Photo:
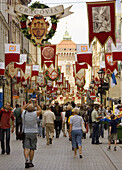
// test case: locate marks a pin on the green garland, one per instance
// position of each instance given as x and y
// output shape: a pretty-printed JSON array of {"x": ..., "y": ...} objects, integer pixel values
[
  {"x": 48, "y": 78},
  {"x": 25, "y": 30}
]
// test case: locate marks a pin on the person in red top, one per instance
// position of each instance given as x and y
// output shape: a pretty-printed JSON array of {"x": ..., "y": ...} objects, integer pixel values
[{"x": 5, "y": 115}]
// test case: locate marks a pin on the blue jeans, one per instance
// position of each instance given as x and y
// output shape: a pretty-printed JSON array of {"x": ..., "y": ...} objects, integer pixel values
[
  {"x": 95, "y": 134},
  {"x": 101, "y": 130},
  {"x": 7, "y": 132},
  {"x": 76, "y": 138},
  {"x": 41, "y": 130}
]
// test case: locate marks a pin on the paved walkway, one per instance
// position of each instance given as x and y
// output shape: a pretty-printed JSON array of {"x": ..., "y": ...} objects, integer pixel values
[{"x": 59, "y": 156}]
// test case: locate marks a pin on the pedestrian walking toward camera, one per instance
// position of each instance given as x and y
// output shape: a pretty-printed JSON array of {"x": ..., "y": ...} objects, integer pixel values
[
  {"x": 95, "y": 125},
  {"x": 5, "y": 116},
  {"x": 29, "y": 120},
  {"x": 112, "y": 132},
  {"x": 48, "y": 121},
  {"x": 76, "y": 132}
]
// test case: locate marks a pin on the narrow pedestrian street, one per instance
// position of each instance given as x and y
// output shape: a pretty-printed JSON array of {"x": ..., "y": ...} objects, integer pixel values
[{"x": 59, "y": 156}]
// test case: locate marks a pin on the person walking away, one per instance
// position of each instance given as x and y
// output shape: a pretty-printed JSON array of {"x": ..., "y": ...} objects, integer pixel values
[
  {"x": 43, "y": 128},
  {"x": 64, "y": 128},
  {"x": 95, "y": 125},
  {"x": 29, "y": 121},
  {"x": 89, "y": 112},
  {"x": 58, "y": 122},
  {"x": 48, "y": 121},
  {"x": 112, "y": 132},
  {"x": 102, "y": 112},
  {"x": 76, "y": 132},
  {"x": 68, "y": 114},
  {"x": 6, "y": 114},
  {"x": 17, "y": 115}
]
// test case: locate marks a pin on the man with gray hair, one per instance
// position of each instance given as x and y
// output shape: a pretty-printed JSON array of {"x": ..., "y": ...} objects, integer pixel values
[
  {"x": 48, "y": 121},
  {"x": 29, "y": 120}
]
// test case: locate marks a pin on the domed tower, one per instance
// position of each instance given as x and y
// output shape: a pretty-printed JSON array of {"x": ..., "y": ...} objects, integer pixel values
[{"x": 66, "y": 51}]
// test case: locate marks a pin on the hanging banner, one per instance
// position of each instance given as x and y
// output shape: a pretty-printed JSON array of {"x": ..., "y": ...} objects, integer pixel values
[
  {"x": 80, "y": 82},
  {"x": 117, "y": 52},
  {"x": 80, "y": 73},
  {"x": 12, "y": 53},
  {"x": 2, "y": 68},
  {"x": 48, "y": 53},
  {"x": 80, "y": 66},
  {"x": 60, "y": 80},
  {"x": 101, "y": 21},
  {"x": 23, "y": 58},
  {"x": 35, "y": 70},
  {"x": 12, "y": 72},
  {"x": 18, "y": 77},
  {"x": 110, "y": 64},
  {"x": 28, "y": 72},
  {"x": 41, "y": 80},
  {"x": 84, "y": 54},
  {"x": 21, "y": 66}
]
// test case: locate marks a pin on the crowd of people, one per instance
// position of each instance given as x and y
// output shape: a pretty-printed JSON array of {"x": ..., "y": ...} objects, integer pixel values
[{"x": 73, "y": 120}]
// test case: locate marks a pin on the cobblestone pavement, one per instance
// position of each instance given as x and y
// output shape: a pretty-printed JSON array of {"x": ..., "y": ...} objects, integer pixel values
[{"x": 59, "y": 156}]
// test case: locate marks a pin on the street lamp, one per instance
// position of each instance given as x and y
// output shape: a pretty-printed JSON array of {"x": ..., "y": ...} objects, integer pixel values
[
  {"x": 2, "y": 82},
  {"x": 101, "y": 77}
]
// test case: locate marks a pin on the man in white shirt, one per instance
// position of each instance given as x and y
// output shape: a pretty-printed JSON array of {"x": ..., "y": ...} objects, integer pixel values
[
  {"x": 48, "y": 121},
  {"x": 29, "y": 120}
]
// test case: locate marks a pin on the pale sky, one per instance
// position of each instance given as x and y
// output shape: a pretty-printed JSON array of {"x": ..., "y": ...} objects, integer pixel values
[{"x": 77, "y": 23}]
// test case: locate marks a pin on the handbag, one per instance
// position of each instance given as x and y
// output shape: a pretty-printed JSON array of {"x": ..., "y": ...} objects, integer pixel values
[
  {"x": 21, "y": 135},
  {"x": 83, "y": 127}
]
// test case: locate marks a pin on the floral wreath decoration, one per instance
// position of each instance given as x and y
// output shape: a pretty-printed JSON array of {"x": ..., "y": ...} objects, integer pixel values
[
  {"x": 48, "y": 78},
  {"x": 25, "y": 30}
]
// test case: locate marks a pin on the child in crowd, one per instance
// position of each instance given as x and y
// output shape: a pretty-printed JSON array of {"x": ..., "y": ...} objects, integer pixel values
[{"x": 112, "y": 132}]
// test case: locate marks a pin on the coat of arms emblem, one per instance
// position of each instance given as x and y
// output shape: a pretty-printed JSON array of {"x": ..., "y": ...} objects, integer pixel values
[{"x": 38, "y": 28}]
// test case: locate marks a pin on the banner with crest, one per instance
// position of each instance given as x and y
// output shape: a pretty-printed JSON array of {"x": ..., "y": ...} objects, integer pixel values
[
  {"x": 48, "y": 54},
  {"x": 101, "y": 21},
  {"x": 110, "y": 64}
]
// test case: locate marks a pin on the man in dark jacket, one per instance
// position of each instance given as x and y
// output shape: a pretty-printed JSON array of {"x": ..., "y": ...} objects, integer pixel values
[
  {"x": 17, "y": 114},
  {"x": 58, "y": 122}
]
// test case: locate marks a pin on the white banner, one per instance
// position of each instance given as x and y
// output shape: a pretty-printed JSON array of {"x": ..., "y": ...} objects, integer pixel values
[
  {"x": 84, "y": 49},
  {"x": 118, "y": 47},
  {"x": 35, "y": 68},
  {"x": 59, "y": 11},
  {"x": 2, "y": 65},
  {"x": 23, "y": 58},
  {"x": 12, "y": 48}
]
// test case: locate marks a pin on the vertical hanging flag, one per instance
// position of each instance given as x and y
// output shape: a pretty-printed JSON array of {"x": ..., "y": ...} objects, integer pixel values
[
  {"x": 48, "y": 53},
  {"x": 109, "y": 64},
  {"x": 12, "y": 53},
  {"x": 117, "y": 52},
  {"x": 2, "y": 68},
  {"x": 84, "y": 54},
  {"x": 101, "y": 21},
  {"x": 113, "y": 79},
  {"x": 35, "y": 70}
]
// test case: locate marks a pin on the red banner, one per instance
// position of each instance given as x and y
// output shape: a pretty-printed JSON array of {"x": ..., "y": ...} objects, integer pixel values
[
  {"x": 101, "y": 20},
  {"x": 110, "y": 64},
  {"x": 48, "y": 53},
  {"x": 21, "y": 66},
  {"x": 80, "y": 66}
]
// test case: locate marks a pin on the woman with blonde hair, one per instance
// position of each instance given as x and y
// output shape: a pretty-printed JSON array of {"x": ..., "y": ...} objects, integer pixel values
[
  {"x": 68, "y": 114},
  {"x": 75, "y": 131}
]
